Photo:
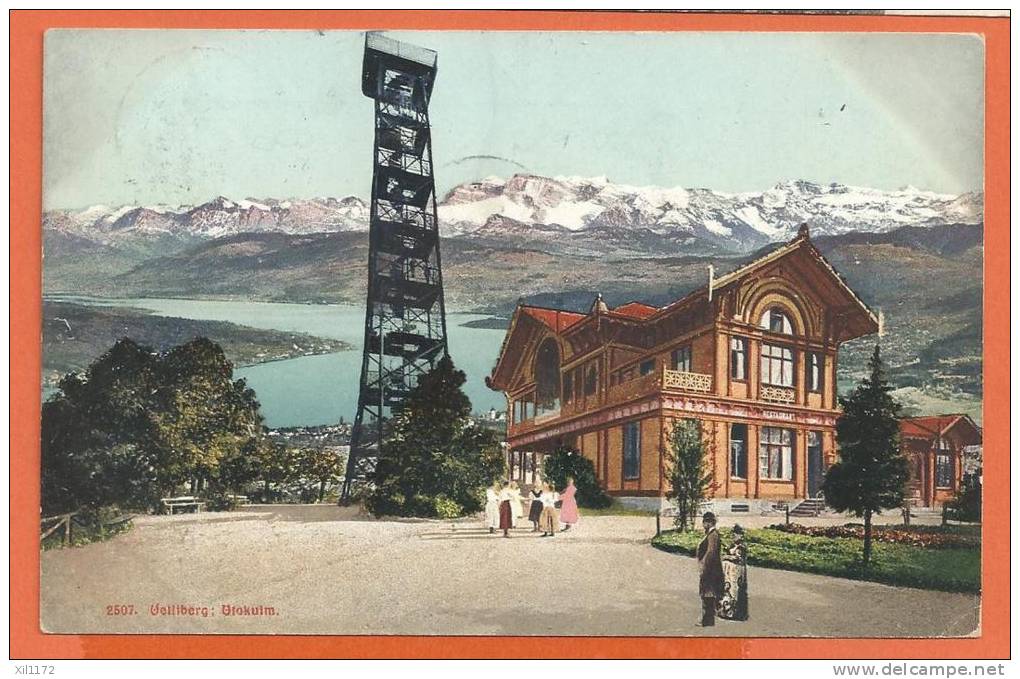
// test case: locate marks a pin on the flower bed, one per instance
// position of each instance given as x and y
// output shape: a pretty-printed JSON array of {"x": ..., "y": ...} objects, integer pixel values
[
  {"x": 948, "y": 569},
  {"x": 929, "y": 537}
]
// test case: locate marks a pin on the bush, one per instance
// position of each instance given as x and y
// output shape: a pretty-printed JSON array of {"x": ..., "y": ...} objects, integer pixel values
[
  {"x": 445, "y": 508},
  {"x": 966, "y": 506},
  {"x": 91, "y": 524},
  {"x": 568, "y": 463},
  {"x": 220, "y": 502}
]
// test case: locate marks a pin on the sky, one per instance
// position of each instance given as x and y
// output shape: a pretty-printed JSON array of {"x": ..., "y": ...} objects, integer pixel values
[{"x": 179, "y": 117}]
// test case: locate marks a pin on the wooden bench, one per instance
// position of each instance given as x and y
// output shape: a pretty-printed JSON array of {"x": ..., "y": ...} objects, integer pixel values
[
  {"x": 184, "y": 502},
  {"x": 239, "y": 500}
]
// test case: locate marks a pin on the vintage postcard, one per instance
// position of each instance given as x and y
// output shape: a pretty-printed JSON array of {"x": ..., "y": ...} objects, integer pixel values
[{"x": 475, "y": 328}]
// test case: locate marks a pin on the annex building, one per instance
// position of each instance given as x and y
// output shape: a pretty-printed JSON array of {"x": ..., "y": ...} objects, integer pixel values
[
  {"x": 941, "y": 452},
  {"x": 752, "y": 356}
]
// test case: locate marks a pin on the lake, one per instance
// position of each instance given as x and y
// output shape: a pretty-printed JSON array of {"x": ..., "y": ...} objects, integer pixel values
[{"x": 312, "y": 390}]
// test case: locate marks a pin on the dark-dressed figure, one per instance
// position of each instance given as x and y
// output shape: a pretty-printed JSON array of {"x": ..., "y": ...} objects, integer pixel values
[
  {"x": 733, "y": 604},
  {"x": 535, "y": 511},
  {"x": 506, "y": 511},
  {"x": 710, "y": 566}
]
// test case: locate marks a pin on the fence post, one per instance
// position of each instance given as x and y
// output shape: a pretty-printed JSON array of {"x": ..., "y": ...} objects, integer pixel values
[
  {"x": 67, "y": 530},
  {"x": 787, "y": 513},
  {"x": 945, "y": 518},
  {"x": 658, "y": 525}
]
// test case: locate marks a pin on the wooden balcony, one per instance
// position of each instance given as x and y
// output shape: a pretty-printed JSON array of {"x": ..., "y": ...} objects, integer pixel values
[
  {"x": 676, "y": 380},
  {"x": 774, "y": 394}
]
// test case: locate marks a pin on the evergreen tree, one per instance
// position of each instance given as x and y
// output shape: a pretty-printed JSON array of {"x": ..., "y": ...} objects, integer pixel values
[
  {"x": 689, "y": 481},
  {"x": 436, "y": 460},
  {"x": 871, "y": 471}
]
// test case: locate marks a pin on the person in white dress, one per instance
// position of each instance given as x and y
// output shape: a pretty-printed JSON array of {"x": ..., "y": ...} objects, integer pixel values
[
  {"x": 492, "y": 506},
  {"x": 515, "y": 502}
]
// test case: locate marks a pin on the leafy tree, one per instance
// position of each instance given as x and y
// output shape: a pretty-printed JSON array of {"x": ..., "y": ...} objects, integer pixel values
[
  {"x": 689, "y": 481},
  {"x": 566, "y": 463},
  {"x": 435, "y": 454},
  {"x": 323, "y": 466},
  {"x": 135, "y": 425},
  {"x": 871, "y": 471}
]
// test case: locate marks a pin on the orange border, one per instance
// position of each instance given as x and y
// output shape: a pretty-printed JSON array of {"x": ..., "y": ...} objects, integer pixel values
[{"x": 26, "y": 641}]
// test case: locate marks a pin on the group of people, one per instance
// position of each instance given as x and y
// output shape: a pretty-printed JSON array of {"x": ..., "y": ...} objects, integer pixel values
[
  {"x": 549, "y": 509},
  {"x": 723, "y": 581}
]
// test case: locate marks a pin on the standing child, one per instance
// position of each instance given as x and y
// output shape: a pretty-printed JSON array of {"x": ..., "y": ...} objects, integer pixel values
[
  {"x": 568, "y": 509},
  {"x": 535, "y": 511},
  {"x": 515, "y": 502},
  {"x": 492, "y": 506},
  {"x": 506, "y": 511},
  {"x": 550, "y": 519}
]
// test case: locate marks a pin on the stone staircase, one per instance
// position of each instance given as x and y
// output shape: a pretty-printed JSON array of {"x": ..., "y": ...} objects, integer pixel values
[{"x": 812, "y": 506}]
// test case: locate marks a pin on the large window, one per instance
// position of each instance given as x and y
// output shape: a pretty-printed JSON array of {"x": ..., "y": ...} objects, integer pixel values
[
  {"x": 776, "y": 320},
  {"x": 547, "y": 378},
  {"x": 648, "y": 367},
  {"x": 591, "y": 379},
  {"x": 944, "y": 470},
  {"x": 682, "y": 359},
  {"x": 775, "y": 454},
  {"x": 814, "y": 363},
  {"x": 738, "y": 358},
  {"x": 632, "y": 450},
  {"x": 738, "y": 451},
  {"x": 524, "y": 409},
  {"x": 776, "y": 365}
]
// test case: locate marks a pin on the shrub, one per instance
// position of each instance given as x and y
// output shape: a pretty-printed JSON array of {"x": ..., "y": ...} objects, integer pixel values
[
  {"x": 568, "y": 463},
  {"x": 220, "y": 502},
  {"x": 966, "y": 506},
  {"x": 445, "y": 508}
]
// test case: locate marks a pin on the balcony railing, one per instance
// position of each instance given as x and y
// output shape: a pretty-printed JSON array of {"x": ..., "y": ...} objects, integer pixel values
[
  {"x": 777, "y": 394},
  {"x": 686, "y": 381},
  {"x": 642, "y": 386}
]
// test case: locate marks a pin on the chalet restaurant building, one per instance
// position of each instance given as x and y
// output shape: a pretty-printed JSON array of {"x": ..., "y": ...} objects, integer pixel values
[{"x": 752, "y": 357}]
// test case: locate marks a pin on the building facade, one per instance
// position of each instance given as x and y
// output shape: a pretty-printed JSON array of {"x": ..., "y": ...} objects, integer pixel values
[
  {"x": 941, "y": 451},
  {"x": 751, "y": 357}
]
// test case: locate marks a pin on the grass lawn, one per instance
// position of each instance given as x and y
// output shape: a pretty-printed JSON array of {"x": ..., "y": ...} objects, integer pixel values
[
  {"x": 615, "y": 509},
  {"x": 951, "y": 570}
]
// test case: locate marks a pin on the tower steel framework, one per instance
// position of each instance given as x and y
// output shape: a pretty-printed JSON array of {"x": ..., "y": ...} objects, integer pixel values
[{"x": 405, "y": 317}]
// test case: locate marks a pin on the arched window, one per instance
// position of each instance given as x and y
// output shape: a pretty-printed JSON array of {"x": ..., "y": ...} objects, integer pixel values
[
  {"x": 776, "y": 320},
  {"x": 547, "y": 376}
]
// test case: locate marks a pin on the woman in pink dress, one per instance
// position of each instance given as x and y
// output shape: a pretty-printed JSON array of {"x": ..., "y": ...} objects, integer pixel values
[{"x": 568, "y": 511}]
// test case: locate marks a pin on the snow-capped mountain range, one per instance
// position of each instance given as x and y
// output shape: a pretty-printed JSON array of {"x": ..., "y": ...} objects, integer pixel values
[{"x": 529, "y": 207}]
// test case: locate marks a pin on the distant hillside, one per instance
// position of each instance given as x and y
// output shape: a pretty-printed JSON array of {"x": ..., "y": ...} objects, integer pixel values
[
  {"x": 74, "y": 335},
  {"x": 916, "y": 255}
]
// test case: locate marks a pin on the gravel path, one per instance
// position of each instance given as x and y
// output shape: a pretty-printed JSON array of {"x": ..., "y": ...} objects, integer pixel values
[{"x": 326, "y": 570}]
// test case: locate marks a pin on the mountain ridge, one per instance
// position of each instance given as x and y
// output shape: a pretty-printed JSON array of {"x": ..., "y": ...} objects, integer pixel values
[{"x": 586, "y": 215}]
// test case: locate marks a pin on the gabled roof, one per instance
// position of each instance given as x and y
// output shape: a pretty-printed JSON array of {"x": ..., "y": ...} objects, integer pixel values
[
  {"x": 556, "y": 320},
  {"x": 571, "y": 323},
  {"x": 802, "y": 240},
  {"x": 638, "y": 310},
  {"x": 934, "y": 426}
]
